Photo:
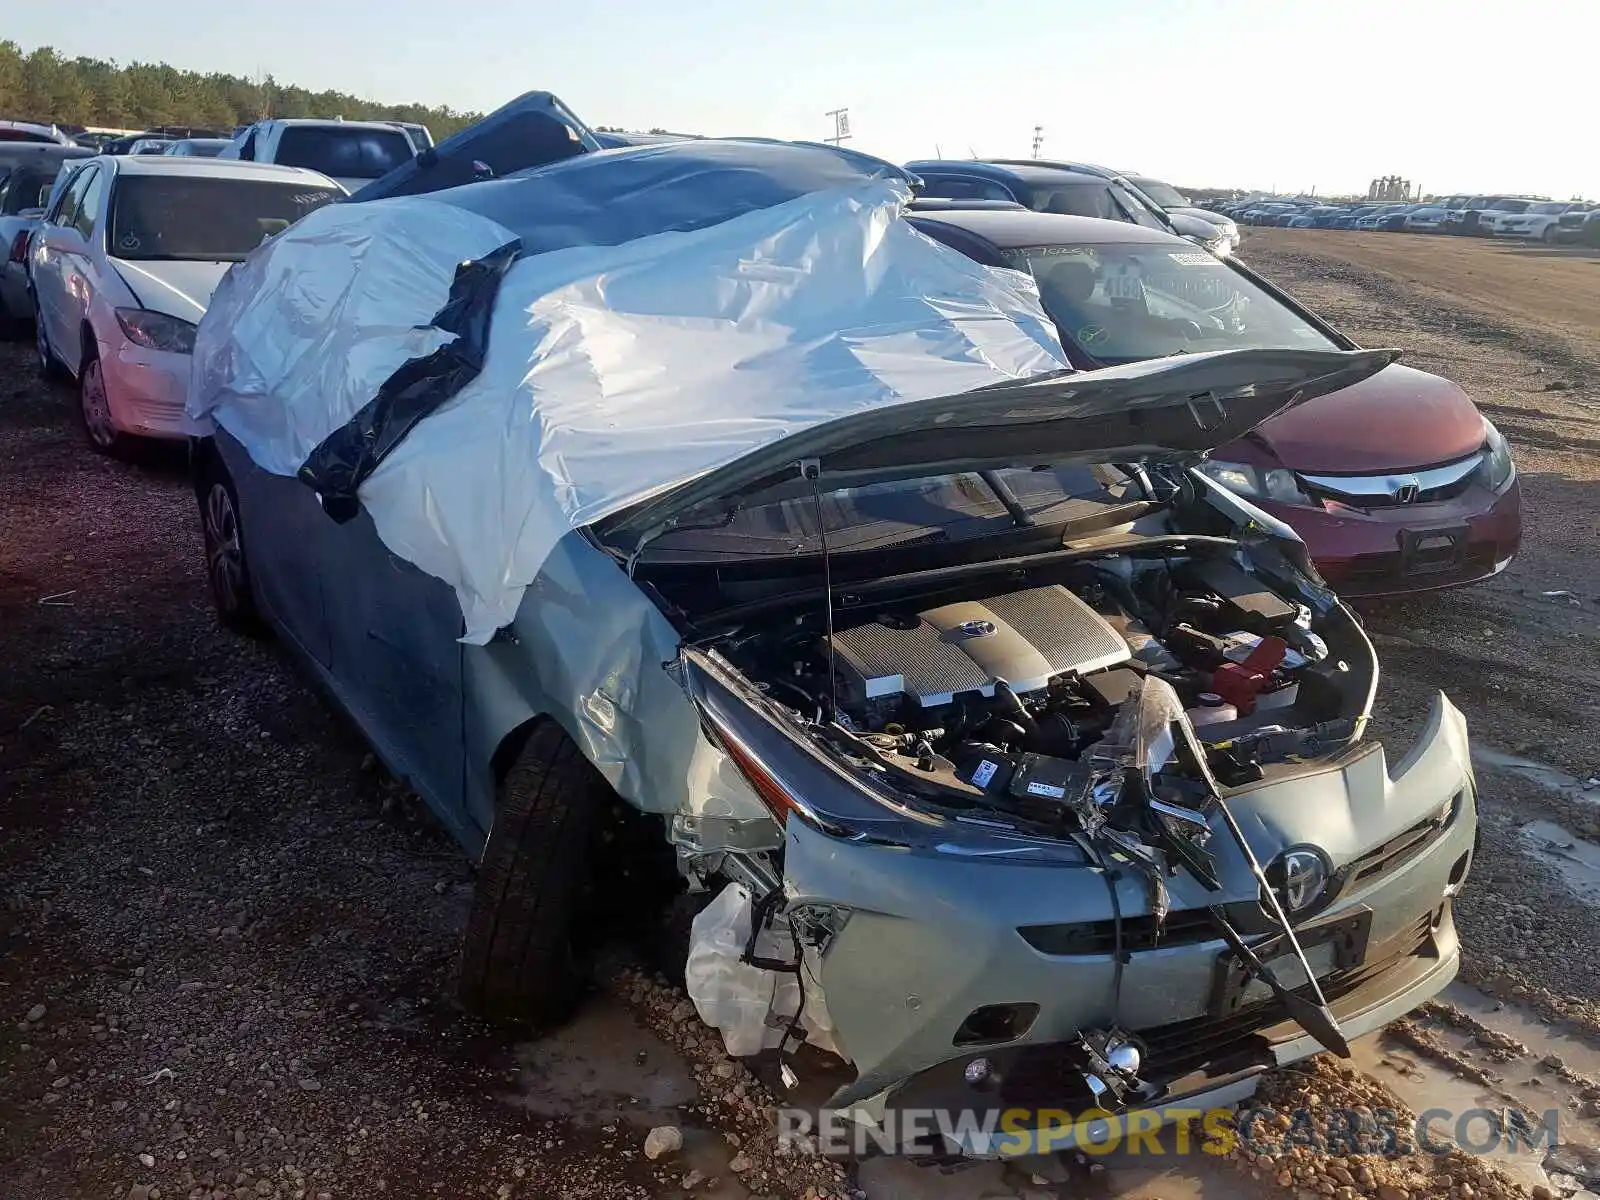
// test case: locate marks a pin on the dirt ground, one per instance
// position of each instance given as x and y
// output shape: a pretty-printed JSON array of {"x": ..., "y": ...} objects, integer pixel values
[{"x": 228, "y": 941}]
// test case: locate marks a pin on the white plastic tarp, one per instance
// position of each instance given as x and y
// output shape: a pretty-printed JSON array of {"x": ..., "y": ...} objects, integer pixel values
[{"x": 613, "y": 372}]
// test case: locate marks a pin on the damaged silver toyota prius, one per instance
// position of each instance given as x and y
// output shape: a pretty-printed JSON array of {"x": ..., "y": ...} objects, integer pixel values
[{"x": 686, "y": 527}]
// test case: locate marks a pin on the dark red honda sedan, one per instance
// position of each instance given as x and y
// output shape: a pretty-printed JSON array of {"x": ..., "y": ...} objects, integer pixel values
[{"x": 1398, "y": 484}]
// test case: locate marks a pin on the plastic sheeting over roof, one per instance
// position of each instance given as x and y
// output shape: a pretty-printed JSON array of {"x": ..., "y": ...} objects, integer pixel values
[{"x": 675, "y": 308}]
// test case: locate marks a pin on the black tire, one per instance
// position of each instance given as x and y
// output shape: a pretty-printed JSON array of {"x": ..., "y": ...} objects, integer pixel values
[
  {"x": 523, "y": 960},
  {"x": 222, "y": 533},
  {"x": 50, "y": 367},
  {"x": 94, "y": 412}
]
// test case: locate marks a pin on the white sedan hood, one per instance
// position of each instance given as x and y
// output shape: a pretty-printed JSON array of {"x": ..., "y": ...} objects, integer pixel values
[{"x": 179, "y": 288}]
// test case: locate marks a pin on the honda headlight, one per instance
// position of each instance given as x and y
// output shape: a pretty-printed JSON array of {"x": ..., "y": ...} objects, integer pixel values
[
  {"x": 156, "y": 331},
  {"x": 1498, "y": 469},
  {"x": 1256, "y": 483}
]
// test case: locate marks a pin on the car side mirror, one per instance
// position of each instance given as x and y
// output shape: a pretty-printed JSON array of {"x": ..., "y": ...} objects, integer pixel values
[
  {"x": 62, "y": 237},
  {"x": 31, "y": 214}
]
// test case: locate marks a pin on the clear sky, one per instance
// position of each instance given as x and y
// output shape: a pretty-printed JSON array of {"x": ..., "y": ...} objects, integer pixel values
[{"x": 1452, "y": 94}]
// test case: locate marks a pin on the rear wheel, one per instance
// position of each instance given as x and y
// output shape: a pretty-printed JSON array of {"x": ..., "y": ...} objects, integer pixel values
[
  {"x": 49, "y": 366},
  {"x": 227, "y": 570},
  {"x": 524, "y": 956}
]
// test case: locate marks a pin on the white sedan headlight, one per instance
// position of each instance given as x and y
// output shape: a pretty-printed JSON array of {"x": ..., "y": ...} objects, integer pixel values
[{"x": 156, "y": 331}]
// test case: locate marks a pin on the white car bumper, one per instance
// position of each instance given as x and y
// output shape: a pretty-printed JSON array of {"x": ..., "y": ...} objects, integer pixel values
[{"x": 146, "y": 390}]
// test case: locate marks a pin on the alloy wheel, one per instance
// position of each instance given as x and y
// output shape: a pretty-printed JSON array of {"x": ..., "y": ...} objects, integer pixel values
[
  {"x": 41, "y": 345},
  {"x": 224, "y": 552},
  {"x": 96, "y": 408}
]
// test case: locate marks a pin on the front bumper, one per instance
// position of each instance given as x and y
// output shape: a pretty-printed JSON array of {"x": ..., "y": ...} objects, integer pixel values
[
  {"x": 1409, "y": 547},
  {"x": 146, "y": 391},
  {"x": 932, "y": 937}
]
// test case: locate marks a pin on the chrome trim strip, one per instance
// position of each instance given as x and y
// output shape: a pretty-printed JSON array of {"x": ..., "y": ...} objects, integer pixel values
[{"x": 1409, "y": 484}]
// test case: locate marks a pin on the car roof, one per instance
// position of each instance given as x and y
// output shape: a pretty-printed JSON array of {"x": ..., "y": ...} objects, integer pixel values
[
  {"x": 329, "y": 123},
  {"x": 1001, "y": 172},
  {"x": 210, "y": 168},
  {"x": 14, "y": 154},
  {"x": 1011, "y": 228}
]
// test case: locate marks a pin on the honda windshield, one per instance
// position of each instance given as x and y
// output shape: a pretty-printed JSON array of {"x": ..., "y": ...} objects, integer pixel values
[
  {"x": 1121, "y": 303},
  {"x": 205, "y": 218}
]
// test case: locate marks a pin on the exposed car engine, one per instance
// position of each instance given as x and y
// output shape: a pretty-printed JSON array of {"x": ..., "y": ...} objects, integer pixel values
[{"x": 997, "y": 697}]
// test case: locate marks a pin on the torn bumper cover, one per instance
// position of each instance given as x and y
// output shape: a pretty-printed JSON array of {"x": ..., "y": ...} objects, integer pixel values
[{"x": 954, "y": 951}]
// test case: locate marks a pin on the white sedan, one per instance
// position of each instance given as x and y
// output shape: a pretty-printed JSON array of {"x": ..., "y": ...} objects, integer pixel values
[
  {"x": 123, "y": 266},
  {"x": 1538, "y": 222}
]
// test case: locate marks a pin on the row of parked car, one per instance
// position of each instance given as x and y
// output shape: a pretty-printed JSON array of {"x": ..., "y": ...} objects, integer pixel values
[
  {"x": 680, "y": 679},
  {"x": 1549, "y": 221}
]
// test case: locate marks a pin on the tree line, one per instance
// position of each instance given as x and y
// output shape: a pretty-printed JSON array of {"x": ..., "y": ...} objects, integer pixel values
[{"x": 43, "y": 86}]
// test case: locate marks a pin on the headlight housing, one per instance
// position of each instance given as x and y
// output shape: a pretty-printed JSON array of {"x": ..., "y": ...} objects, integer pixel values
[
  {"x": 1256, "y": 483},
  {"x": 1498, "y": 469},
  {"x": 156, "y": 331}
]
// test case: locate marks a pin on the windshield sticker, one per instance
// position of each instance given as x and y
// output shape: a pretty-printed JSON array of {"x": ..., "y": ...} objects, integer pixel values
[
  {"x": 1126, "y": 284},
  {"x": 1091, "y": 335},
  {"x": 1194, "y": 258},
  {"x": 130, "y": 241}
]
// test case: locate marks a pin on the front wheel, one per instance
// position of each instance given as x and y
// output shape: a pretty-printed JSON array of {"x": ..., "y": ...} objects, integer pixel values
[
  {"x": 523, "y": 958},
  {"x": 94, "y": 410}
]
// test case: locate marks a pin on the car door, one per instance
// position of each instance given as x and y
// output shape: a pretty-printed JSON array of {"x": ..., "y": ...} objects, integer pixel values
[
  {"x": 396, "y": 659},
  {"x": 281, "y": 521},
  {"x": 81, "y": 265},
  {"x": 51, "y": 249}
]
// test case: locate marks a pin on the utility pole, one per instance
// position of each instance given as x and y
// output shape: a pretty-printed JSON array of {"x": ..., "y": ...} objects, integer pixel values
[
  {"x": 841, "y": 126},
  {"x": 1038, "y": 139}
]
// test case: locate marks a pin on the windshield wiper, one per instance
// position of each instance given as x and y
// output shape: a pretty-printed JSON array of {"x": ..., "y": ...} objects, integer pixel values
[{"x": 1007, "y": 497}]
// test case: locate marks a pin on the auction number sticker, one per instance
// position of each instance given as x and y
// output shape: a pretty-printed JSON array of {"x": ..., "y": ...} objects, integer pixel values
[
  {"x": 1126, "y": 284},
  {"x": 1194, "y": 258}
]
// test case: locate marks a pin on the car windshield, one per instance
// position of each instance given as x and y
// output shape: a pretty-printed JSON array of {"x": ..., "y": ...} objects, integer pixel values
[
  {"x": 935, "y": 510},
  {"x": 1512, "y": 206},
  {"x": 344, "y": 153},
  {"x": 1122, "y": 303},
  {"x": 1547, "y": 208},
  {"x": 1091, "y": 198},
  {"x": 1163, "y": 194},
  {"x": 26, "y": 189},
  {"x": 209, "y": 219}
]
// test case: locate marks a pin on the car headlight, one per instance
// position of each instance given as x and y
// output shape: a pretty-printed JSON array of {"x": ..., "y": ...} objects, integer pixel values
[
  {"x": 156, "y": 331},
  {"x": 1498, "y": 469},
  {"x": 1257, "y": 483}
]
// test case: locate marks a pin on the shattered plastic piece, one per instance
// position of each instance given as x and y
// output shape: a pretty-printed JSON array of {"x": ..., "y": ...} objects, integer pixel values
[{"x": 750, "y": 1006}]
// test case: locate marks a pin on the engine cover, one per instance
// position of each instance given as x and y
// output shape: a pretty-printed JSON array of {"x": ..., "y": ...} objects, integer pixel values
[{"x": 1022, "y": 638}]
